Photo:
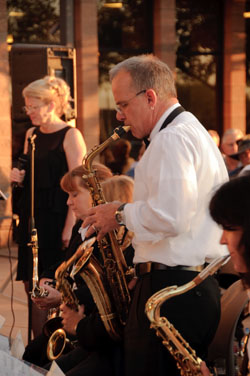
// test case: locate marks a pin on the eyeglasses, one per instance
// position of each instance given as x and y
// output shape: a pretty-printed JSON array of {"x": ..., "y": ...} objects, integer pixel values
[
  {"x": 31, "y": 108},
  {"x": 122, "y": 106}
]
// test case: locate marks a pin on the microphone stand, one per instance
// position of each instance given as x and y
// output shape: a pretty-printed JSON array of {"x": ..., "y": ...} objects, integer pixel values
[{"x": 34, "y": 241}]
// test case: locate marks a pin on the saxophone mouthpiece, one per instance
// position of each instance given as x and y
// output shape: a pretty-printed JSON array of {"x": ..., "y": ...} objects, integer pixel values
[
  {"x": 126, "y": 128},
  {"x": 120, "y": 131}
]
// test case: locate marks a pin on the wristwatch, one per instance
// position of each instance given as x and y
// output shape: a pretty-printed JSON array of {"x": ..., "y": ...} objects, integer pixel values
[{"x": 119, "y": 215}]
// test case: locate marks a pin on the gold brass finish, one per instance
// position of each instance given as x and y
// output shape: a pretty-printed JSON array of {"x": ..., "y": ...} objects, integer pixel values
[
  {"x": 58, "y": 339},
  {"x": 187, "y": 360},
  {"x": 107, "y": 281}
]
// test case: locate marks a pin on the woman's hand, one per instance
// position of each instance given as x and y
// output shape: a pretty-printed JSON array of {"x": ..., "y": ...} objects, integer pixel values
[
  {"x": 52, "y": 300},
  {"x": 205, "y": 370},
  {"x": 17, "y": 176},
  {"x": 71, "y": 318}
]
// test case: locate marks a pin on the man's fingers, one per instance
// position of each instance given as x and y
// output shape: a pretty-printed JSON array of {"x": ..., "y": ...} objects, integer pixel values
[{"x": 90, "y": 231}]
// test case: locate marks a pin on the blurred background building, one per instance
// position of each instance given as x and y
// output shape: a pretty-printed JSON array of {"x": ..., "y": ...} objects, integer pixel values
[{"x": 205, "y": 43}]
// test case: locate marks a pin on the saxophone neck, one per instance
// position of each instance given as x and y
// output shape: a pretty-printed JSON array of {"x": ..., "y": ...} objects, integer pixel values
[
  {"x": 118, "y": 133},
  {"x": 155, "y": 302}
]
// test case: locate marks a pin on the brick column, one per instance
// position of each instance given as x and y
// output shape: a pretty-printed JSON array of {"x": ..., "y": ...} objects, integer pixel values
[
  {"x": 234, "y": 87},
  {"x": 86, "y": 44},
  {"x": 165, "y": 31},
  {"x": 5, "y": 139}
]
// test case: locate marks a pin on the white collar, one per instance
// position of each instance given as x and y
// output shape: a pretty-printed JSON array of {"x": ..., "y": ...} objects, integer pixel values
[{"x": 159, "y": 123}]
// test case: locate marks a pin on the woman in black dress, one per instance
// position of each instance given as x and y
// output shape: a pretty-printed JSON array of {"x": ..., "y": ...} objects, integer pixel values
[{"x": 58, "y": 148}]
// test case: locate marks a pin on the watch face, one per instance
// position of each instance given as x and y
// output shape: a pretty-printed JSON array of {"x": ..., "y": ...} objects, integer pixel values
[{"x": 118, "y": 217}]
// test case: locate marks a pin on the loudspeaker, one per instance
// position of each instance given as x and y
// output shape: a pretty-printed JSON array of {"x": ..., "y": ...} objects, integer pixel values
[{"x": 29, "y": 63}]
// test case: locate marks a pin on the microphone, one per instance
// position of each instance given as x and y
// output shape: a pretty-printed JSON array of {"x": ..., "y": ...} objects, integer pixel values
[{"x": 21, "y": 165}]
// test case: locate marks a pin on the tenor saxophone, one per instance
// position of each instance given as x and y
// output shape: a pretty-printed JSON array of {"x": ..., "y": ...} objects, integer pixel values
[
  {"x": 186, "y": 359},
  {"x": 106, "y": 280},
  {"x": 58, "y": 339}
]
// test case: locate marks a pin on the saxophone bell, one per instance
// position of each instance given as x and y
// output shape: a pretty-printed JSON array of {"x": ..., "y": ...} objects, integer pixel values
[{"x": 58, "y": 341}]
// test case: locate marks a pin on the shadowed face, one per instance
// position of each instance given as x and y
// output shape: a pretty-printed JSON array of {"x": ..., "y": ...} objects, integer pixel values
[
  {"x": 133, "y": 106},
  {"x": 79, "y": 201},
  {"x": 230, "y": 145},
  {"x": 232, "y": 238},
  {"x": 37, "y": 111},
  {"x": 245, "y": 157}
]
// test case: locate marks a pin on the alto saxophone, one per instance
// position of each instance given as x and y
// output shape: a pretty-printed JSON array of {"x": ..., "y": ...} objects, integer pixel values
[
  {"x": 58, "y": 340},
  {"x": 186, "y": 359},
  {"x": 106, "y": 281}
]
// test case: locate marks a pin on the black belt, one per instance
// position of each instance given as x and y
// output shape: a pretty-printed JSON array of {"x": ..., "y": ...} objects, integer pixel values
[{"x": 147, "y": 267}]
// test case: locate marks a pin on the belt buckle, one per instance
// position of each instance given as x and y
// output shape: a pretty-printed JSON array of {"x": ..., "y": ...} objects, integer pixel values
[{"x": 143, "y": 268}]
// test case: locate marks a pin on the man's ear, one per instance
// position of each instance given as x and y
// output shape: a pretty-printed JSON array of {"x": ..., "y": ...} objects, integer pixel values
[{"x": 151, "y": 97}]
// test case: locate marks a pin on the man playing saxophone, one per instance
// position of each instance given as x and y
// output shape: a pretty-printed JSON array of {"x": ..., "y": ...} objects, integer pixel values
[{"x": 173, "y": 233}]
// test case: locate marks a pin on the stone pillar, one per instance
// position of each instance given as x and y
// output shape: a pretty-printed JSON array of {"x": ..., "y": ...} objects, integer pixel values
[
  {"x": 86, "y": 44},
  {"x": 5, "y": 121},
  {"x": 165, "y": 31},
  {"x": 234, "y": 86}
]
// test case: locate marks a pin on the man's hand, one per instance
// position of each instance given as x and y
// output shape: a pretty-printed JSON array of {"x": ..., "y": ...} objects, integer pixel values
[
  {"x": 71, "y": 318},
  {"x": 101, "y": 219}
]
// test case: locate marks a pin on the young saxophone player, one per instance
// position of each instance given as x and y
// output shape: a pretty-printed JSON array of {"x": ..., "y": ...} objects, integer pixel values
[
  {"x": 96, "y": 347},
  {"x": 230, "y": 208}
]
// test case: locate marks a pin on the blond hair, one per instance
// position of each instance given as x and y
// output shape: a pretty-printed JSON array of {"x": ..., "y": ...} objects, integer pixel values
[
  {"x": 51, "y": 89},
  {"x": 118, "y": 187}
]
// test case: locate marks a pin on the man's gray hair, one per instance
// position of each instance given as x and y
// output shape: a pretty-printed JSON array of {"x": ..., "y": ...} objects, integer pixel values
[
  {"x": 235, "y": 131},
  {"x": 148, "y": 72}
]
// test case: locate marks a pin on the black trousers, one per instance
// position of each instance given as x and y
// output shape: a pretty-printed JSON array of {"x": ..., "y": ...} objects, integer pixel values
[{"x": 194, "y": 314}]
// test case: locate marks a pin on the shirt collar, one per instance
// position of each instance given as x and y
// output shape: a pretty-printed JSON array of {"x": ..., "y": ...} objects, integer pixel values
[
  {"x": 161, "y": 120},
  {"x": 82, "y": 231}
]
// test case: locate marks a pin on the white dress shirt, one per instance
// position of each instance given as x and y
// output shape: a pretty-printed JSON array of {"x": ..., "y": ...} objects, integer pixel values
[{"x": 174, "y": 181}]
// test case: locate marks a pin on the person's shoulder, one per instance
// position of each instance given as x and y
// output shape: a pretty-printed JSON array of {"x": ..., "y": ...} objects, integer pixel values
[{"x": 74, "y": 135}]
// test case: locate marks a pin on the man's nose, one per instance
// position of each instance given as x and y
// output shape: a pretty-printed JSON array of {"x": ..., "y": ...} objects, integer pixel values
[{"x": 120, "y": 116}]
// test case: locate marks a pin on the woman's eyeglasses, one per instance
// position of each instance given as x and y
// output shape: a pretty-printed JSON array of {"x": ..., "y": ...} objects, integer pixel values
[{"x": 29, "y": 109}]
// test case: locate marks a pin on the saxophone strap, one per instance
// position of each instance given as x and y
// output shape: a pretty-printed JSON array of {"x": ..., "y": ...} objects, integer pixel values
[{"x": 177, "y": 111}]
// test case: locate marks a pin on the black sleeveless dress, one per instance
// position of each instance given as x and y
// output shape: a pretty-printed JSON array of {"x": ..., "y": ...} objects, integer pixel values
[{"x": 50, "y": 208}]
